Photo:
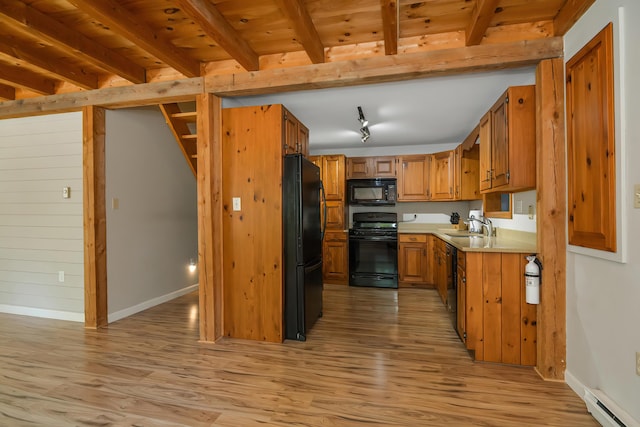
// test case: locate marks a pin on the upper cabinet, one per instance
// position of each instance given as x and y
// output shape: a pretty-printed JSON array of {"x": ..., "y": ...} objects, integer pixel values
[
  {"x": 467, "y": 160},
  {"x": 296, "y": 135},
  {"x": 507, "y": 142},
  {"x": 371, "y": 167},
  {"x": 413, "y": 178},
  {"x": 333, "y": 176},
  {"x": 442, "y": 177}
]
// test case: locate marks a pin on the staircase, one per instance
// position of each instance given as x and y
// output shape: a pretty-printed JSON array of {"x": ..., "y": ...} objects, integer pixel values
[{"x": 185, "y": 135}]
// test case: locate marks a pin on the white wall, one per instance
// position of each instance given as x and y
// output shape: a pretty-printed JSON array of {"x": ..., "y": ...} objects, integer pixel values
[
  {"x": 603, "y": 296},
  {"x": 40, "y": 232},
  {"x": 153, "y": 234}
]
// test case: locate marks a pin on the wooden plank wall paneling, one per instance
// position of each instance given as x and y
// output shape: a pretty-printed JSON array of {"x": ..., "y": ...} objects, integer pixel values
[
  {"x": 475, "y": 304},
  {"x": 551, "y": 184},
  {"x": 210, "y": 230},
  {"x": 40, "y": 232},
  {"x": 492, "y": 312},
  {"x": 95, "y": 217},
  {"x": 512, "y": 284},
  {"x": 253, "y": 293}
]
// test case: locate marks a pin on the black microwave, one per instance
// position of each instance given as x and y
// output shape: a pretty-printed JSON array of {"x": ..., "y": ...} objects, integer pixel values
[{"x": 371, "y": 192}]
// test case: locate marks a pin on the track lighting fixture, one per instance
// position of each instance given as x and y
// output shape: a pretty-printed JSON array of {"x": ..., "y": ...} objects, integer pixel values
[{"x": 364, "y": 130}]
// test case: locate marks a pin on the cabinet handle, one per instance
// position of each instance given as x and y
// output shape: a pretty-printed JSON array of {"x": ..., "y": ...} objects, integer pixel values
[{"x": 464, "y": 280}]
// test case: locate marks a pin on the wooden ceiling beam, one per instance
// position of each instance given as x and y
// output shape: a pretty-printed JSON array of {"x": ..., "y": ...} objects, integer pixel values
[
  {"x": 390, "y": 23},
  {"x": 569, "y": 15},
  {"x": 382, "y": 69},
  {"x": 304, "y": 28},
  {"x": 211, "y": 21},
  {"x": 7, "y": 92},
  {"x": 23, "y": 17},
  {"x": 480, "y": 19},
  {"x": 378, "y": 69},
  {"x": 122, "y": 22},
  {"x": 19, "y": 76},
  {"x": 40, "y": 58}
]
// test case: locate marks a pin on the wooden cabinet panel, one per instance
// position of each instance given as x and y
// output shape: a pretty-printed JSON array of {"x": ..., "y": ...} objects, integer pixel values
[
  {"x": 296, "y": 135},
  {"x": 383, "y": 167},
  {"x": 371, "y": 167},
  {"x": 461, "y": 302},
  {"x": 412, "y": 259},
  {"x": 467, "y": 166},
  {"x": 413, "y": 178},
  {"x": 442, "y": 175},
  {"x": 507, "y": 139},
  {"x": 335, "y": 262},
  {"x": 500, "y": 326},
  {"x": 303, "y": 139},
  {"x": 336, "y": 215},
  {"x": 333, "y": 176}
]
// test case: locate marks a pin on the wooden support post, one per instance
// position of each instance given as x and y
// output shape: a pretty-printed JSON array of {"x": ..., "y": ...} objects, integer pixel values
[
  {"x": 210, "y": 210},
  {"x": 551, "y": 218},
  {"x": 95, "y": 219}
]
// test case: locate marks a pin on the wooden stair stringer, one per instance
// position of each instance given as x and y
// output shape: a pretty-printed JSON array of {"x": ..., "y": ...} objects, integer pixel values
[{"x": 177, "y": 121}]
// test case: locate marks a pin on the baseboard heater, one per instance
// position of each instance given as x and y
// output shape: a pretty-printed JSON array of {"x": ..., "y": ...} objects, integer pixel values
[{"x": 607, "y": 413}]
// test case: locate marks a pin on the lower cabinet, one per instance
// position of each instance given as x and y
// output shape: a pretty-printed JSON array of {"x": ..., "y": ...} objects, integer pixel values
[
  {"x": 497, "y": 324},
  {"x": 413, "y": 259},
  {"x": 335, "y": 262}
]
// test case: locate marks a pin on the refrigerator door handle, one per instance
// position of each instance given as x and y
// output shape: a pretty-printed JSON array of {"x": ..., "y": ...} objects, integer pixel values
[{"x": 324, "y": 211}]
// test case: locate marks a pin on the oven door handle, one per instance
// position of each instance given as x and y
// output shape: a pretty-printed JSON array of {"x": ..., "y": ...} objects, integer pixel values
[{"x": 374, "y": 238}]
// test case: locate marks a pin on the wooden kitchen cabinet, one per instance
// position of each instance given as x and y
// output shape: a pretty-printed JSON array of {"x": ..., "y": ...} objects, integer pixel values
[
  {"x": 296, "y": 139},
  {"x": 507, "y": 142},
  {"x": 335, "y": 261},
  {"x": 461, "y": 302},
  {"x": 371, "y": 167},
  {"x": 413, "y": 255},
  {"x": 467, "y": 167},
  {"x": 499, "y": 325},
  {"x": 336, "y": 215},
  {"x": 333, "y": 176},
  {"x": 413, "y": 178},
  {"x": 442, "y": 177}
]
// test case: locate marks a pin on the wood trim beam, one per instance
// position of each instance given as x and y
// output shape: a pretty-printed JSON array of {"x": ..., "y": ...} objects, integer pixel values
[
  {"x": 304, "y": 28},
  {"x": 122, "y": 22},
  {"x": 551, "y": 209},
  {"x": 113, "y": 97},
  {"x": 480, "y": 19},
  {"x": 7, "y": 92},
  {"x": 42, "y": 59},
  {"x": 387, "y": 68},
  {"x": 19, "y": 76},
  {"x": 333, "y": 74},
  {"x": 390, "y": 25},
  {"x": 17, "y": 14},
  {"x": 569, "y": 15},
  {"x": 210, "y": 215},
  {"x": 214, "y": 24},
  {"x": 95, "y": 217}
]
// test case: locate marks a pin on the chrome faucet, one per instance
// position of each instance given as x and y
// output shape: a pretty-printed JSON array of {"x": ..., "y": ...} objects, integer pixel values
[{"x": 486, "y": 223}]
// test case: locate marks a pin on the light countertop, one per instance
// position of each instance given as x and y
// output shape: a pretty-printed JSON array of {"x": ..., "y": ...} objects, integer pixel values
[{"x": 505, "y": 240}]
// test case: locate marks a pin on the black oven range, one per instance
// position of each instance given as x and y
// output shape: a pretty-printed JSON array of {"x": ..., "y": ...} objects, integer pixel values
[{"x": 373, "y": 250}]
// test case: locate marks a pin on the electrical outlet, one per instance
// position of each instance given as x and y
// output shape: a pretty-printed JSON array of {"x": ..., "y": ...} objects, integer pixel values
[
  {"x": 237, "y": 204},
  {"x": 530, "y": 211},
  {"x": 636, "y": 196},
  {"x": 638, "y": 363},
  {"x": 61, "y": 276}
]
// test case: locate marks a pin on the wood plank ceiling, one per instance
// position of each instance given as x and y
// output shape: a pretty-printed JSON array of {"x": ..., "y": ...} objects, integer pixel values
[{"x": 60, "y": 46}]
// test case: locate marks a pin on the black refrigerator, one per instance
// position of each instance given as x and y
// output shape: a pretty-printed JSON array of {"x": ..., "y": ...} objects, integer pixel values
[{"x": 301, "y": 193}]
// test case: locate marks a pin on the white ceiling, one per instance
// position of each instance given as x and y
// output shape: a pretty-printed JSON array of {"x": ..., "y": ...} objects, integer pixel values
[{"x": 436, "y": 110}]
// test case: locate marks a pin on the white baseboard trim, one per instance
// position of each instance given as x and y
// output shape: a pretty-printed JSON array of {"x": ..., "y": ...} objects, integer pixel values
[
  {"x": 582, "y": 391},
  {"x": 41, "y": 312},
  {"x": 112, "y": 317}
]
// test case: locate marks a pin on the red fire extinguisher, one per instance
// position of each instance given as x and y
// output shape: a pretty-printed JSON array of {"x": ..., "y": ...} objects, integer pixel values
[{"x": 532, "y": 279}]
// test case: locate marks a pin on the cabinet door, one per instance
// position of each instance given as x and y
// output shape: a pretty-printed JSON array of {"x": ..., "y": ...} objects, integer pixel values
[
  {"x": 303, "y": 140},
  {"x": 442, "y": 175},
  {"x": 358, "y": 167},
  {"x": 335, "y": 215},
  {"x": 290, "y": 145},
  {"x": 467, "y": 176},
  {"x": 412, "y": 258},
  {"x": 333, "y": 177},
  {"x": 383, "y": 167},
  {"x": 335, "y": 258},
  {"x": 485, "y": 152},
  {"x": 413, "y": 178},
  {"x": 500, "y": 143}
]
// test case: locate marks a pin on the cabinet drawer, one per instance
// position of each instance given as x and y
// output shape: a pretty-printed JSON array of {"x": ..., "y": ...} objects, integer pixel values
[{"x": 409, "y": 238}]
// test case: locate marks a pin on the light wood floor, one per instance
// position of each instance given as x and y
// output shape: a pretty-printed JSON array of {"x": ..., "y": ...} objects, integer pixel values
[{"x": 377, "y": 357}]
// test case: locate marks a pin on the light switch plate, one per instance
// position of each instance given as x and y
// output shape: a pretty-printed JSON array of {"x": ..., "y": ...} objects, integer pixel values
[
  {"x": 638, "y": 363},
  {"x": 636, "y": 196},
  {"x": 237, "y": 204},
  {"x": 66, "y": 192}
]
